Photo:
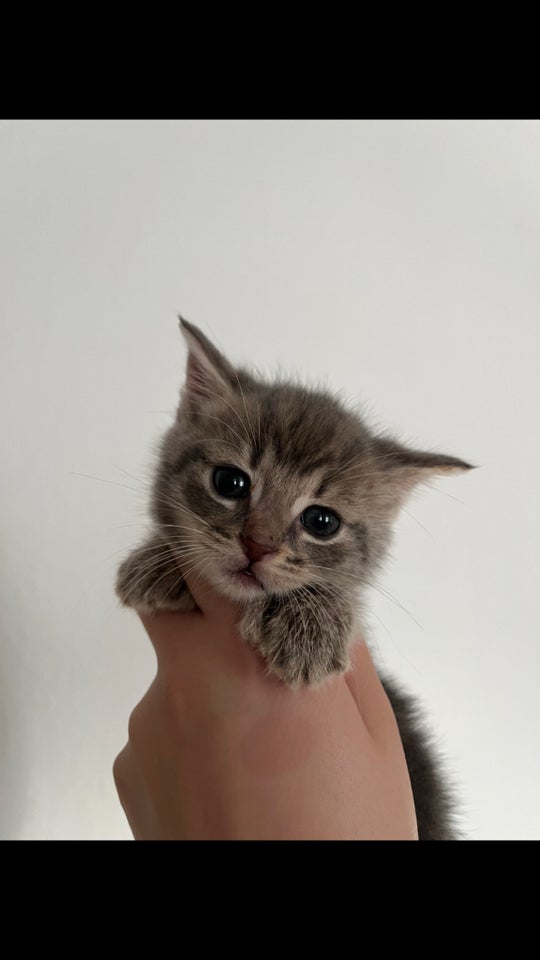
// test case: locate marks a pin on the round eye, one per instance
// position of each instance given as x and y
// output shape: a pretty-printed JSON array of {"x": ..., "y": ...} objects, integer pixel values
[
  {"x": 320, "y": 521},
  {"x": 230, "y": 482}
]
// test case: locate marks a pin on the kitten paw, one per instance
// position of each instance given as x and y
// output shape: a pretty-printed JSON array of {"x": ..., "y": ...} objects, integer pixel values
[
  {"x": 149, "y": 580},
  {"x": 302, "y": 638}
]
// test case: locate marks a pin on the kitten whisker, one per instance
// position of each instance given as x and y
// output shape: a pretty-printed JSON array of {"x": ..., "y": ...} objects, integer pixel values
[
  {"x": 245, "y": 408},
  {"x": 340, "y": 470},
  {"x": 418, "y": 522},
  {"x": 389, "y": 596},
  {"x": 165, "y": 558},
  {"x": 222, "y": 399},
  {"x": 228, "y": 443},
  {"x": 192, "y": 514},
  {"x": 144, "y": 482},
  {"x": 170, "y": 570},
  {"x": 181, "y": 542},
  {"x": 141, "y": 572},
  {"x": 382, "y": 590},
  {"x": 114, "y": 483},
  {"x": 169, "y": 502},
  {"x": 258, "y": 408},
  {"x": 315, "y": 604},
  {"x": 201, "y": 572},
  {"x": 444, "y": 493},
  {"x": 200, "y": 413},
  {"x": 176, "y": 583}
]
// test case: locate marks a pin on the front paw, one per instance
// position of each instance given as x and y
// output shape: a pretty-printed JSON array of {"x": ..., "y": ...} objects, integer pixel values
[
  {"x": 149, "y": 579},
  {"x": 302, "y": 636}
]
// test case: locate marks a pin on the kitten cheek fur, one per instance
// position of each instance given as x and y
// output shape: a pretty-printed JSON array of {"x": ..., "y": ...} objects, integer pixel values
[{"x": 296, "y": 445}]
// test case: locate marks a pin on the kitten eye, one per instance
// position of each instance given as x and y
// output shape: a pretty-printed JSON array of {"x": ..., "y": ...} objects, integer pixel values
[
  {"x": 320, "y": 521},
  {"x": 230, "y": 482}
]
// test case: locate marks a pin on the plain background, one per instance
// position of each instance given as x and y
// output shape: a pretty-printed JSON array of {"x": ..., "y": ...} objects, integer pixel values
[{"x": 397, "y": 261}]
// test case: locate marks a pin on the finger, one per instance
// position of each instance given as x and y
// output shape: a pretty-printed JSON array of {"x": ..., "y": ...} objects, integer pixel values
[
  {"x": 133, "y": 793},
  {"x": 212, "y": 604},
  {"x": 368, "y": 692},
  {"x": 165, "y": 629}
]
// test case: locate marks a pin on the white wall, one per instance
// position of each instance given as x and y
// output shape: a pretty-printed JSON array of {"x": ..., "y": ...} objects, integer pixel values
[{"x": 399, "y": 260}]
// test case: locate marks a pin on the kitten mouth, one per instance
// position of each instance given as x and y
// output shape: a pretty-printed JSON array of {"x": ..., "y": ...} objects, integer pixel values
[{"x": 247, "y": 578}]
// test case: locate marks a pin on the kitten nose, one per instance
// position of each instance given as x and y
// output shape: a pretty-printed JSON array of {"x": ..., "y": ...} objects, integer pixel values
[{"x": 255, "y": 550}]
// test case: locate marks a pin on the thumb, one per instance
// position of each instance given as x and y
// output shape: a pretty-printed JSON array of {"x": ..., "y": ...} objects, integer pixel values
[
  {"x": 213, "y": 605},
  {"x": 368, "y": 693}
]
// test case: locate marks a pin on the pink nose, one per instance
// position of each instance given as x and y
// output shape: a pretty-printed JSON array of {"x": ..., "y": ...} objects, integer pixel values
[{"x": 254, "y": 550}]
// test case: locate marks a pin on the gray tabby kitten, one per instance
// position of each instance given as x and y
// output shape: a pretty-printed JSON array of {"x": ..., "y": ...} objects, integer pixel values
[{"x": 285, "y": 501}]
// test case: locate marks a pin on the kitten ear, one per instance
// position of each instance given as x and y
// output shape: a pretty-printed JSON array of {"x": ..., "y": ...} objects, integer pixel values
[
  {"x": 208, "y": 372},
  {"x": 404, "y": 468}
]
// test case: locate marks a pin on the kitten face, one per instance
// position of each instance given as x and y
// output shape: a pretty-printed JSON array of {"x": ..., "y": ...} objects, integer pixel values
[
  {"x": 269, "y": 488},
  {"x": 285, "y": 479}
]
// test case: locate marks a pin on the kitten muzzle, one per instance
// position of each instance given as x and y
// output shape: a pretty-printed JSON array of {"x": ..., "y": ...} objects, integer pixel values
[{"x": 247, "y": 577}]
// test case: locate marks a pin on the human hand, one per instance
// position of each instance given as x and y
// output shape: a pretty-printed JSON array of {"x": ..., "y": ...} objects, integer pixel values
[{"x": 219, "y": 750}]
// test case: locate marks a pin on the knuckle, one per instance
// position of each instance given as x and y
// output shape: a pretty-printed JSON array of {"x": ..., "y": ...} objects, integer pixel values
[
  {"x": 120, "y": 773},
  {"x": 135, "y": 725}
]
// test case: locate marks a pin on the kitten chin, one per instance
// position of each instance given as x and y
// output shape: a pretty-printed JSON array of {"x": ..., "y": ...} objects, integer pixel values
[
  {"x": 237, "y": 585},
  {"x": 285, "y": 500}
]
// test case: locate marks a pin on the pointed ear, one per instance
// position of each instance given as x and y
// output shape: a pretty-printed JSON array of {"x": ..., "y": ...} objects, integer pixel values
[
  {"x": 404, "y": 468},
  {"x": 208, "y": 373}
]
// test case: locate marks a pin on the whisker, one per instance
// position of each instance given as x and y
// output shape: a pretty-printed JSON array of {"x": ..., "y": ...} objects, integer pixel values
[
  {"x": 258, "y": 408},
  {"x": 444, "y": 493},
  {"x": 194, "y": 566},
  {"x": 389, "y": 596},
  {"x": 418, "y": 522},
  {"x": 183, "y": 507},
  {"x": 229, "y": 443},
  {"x": 166, "y": 501},
  {"x": 153, "y": 564},
  {"x": 237, "y": 415},
  {"x": 384, "y": 592},
  {"x": 146, "y": 483},
  {"x": 165, "y": 558},
  {"x": 166, "y": 574},
  {"x": 315, "y": 604},
  {"x": 248, "y": 422},
  {"x": 218, "y": 420},
  {"x": 113, "y": 483},
  {"x": 176, "y": 583},
  {"x": 341, "y": 470}
]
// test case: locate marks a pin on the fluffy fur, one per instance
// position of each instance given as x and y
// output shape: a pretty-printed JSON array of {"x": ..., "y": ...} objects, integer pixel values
[{"x": 301, "y": 593}]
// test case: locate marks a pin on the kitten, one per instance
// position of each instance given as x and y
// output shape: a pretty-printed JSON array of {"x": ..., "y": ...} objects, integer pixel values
[{"x": 285, "y": 500}]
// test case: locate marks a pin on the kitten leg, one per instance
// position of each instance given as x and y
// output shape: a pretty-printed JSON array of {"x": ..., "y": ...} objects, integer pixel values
[
  {"x": 303, "y": 636},
  {"x": 149, "y": 579}
]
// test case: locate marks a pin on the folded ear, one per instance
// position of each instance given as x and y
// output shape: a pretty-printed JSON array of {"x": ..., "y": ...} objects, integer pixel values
[
  {"x": 209, "y": 373},
  {"x": 404, "y": 468}
]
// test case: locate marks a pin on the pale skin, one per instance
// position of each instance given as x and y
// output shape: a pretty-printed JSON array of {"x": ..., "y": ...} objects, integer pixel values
[{"x": 218, "y": 750}]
